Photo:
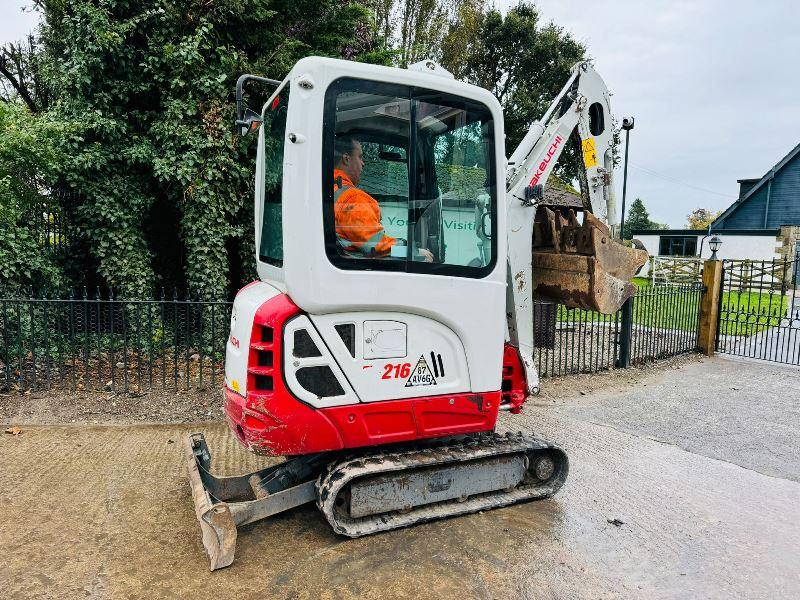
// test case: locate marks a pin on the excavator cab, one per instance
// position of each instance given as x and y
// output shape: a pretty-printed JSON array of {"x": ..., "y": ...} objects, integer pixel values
[{"x": 427, "y": 156}]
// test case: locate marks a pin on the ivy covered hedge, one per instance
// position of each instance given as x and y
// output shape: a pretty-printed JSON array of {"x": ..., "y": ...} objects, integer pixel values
[
  {"x": 126, "y": 108},
  {"x": 141, "y": 130}
]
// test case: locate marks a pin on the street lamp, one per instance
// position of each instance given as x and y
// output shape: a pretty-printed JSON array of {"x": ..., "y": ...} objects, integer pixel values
[
  {"x": 627, "y": 125},
  {"x": 714, "y": 243}
]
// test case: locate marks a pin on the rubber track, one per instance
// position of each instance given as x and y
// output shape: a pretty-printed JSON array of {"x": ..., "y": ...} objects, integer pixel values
[{"x": 340, "y": 474}]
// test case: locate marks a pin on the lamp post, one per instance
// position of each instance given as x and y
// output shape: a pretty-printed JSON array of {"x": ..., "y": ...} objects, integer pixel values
[
  {"x": 714, "y": 243},
  {"x": 627, "y": 125}
]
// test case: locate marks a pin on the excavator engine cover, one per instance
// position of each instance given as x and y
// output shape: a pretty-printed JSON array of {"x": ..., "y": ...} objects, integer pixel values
[{"x": 580, "y": 265}]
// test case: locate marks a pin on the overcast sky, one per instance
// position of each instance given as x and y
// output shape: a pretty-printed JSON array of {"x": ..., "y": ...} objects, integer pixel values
[{"x": 714, "y": 86}]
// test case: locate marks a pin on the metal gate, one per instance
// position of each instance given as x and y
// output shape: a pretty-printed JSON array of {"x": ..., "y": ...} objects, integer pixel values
[{"x": 759, "y": 313}]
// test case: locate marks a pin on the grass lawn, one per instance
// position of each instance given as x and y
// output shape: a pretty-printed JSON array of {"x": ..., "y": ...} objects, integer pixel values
[
  {"x": 660, "y": 307},
  {"x": 677, "y": 307}
]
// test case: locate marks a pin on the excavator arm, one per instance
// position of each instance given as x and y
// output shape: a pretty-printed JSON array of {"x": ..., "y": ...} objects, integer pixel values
[{"x": 550, "y": 253}]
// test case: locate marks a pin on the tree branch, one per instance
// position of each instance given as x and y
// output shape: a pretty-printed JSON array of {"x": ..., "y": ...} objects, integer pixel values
[{"x": 13, "y": 55}]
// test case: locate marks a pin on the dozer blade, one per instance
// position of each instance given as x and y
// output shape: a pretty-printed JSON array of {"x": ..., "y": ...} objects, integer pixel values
[
  {"x": 216, "y": 523},
  {"x": 580, "y": 265},
  {"x": 223, "y": 503}
]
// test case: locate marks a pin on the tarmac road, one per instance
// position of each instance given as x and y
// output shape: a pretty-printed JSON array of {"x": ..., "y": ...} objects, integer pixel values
[{"x": 105, "y": 511}]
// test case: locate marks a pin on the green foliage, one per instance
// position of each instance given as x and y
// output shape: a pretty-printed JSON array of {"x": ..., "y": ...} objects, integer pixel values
[
  {"x": 27, "y": 157},
  {"x": 638, "y": 218},
  {"x": 701, "y": 218},
  {"x": 522, "y": 61},
  {"x": 145, "y": 92},
  {"x": 418, "y": 29},
  {"x": 134, "y": 105}
]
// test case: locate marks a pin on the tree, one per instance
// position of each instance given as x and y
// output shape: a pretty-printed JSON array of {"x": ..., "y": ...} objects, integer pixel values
[
  {"x": 138, "y": 100},
  {"x": 638, "y": 218},
  {"x": 416, "y": 29},
  {"x": 522, "y": 61},
  {"x": 22, "y": 75},
  {"x": 701, "y": 218},
  {"x": 146, "y": 91}
]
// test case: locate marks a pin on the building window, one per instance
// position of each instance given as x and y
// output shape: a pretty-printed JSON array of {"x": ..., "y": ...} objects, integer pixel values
[
  {"x": 677, "y": 245},
  {"x": 274, "y": 131}
]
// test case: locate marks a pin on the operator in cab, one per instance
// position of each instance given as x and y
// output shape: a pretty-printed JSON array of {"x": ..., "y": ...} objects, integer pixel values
[{"x": 359, "y": 232}]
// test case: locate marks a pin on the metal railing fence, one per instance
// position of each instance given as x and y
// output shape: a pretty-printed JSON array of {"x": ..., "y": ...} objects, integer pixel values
[
  {"x": 655, "y": 323},
  {"x": 112, "y": 344},
  {"x": 759, "y": 310}
]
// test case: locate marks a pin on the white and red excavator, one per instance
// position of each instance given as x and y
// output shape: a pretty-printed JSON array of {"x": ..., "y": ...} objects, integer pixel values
[{"x": 380, "y": 378}]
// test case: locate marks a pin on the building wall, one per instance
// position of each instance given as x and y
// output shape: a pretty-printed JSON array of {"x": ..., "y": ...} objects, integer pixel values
[
  {"x": 753, "y": 247},
  {"x": 784, "y": 201},
  {"x": 778, "y": 201}
]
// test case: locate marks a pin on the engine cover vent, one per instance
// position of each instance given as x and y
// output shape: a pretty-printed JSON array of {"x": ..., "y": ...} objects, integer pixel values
[
  {"x": 320, "y": 381},
  {"x": 304, "y": 346},
  {"x": 347, "y": 331},
  {"x": 310, "y": 370}
]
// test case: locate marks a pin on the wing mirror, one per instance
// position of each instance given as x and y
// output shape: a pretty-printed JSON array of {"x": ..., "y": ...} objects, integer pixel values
[
  {"x": 390, "y": 156},
  {"x": 248, "y": 120},
  {"x": 251, "y": 122}
]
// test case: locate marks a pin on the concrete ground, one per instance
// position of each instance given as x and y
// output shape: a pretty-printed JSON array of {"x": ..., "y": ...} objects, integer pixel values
[{"x": 700, "y": 463}]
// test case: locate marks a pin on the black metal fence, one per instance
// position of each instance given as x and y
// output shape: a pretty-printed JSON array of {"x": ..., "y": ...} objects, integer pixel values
[
  {"x": 50, "y": 219},
  {"x": 759, "y": 314},
  {"x": 656, "y": 323},
  {"x": 112, "y": 344},
  {"x": 118, "y": 345}
]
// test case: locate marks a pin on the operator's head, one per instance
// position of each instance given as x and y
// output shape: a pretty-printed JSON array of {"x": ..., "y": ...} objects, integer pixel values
[{"x": 347, "y": 157}]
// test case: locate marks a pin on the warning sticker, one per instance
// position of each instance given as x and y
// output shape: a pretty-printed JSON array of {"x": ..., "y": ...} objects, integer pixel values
[
  {"x": 421, "y": 374},
  {"x": 589, "y": 153}
]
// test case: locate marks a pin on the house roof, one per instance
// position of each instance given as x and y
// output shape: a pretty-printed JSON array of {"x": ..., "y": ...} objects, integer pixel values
[
  {"x": 761, "y": 183},
  {"x": 556, "y": 197}
]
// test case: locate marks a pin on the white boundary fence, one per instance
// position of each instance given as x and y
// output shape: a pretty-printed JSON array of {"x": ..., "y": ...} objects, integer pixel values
[{"x": 672, "y": 270}]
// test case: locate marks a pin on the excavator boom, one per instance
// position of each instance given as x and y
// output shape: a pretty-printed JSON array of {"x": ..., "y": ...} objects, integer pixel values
[{"x": 551, "y": 254}]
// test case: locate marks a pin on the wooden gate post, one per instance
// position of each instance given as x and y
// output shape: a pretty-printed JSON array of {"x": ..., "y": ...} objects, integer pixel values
[{"x": 709, "y": 305}]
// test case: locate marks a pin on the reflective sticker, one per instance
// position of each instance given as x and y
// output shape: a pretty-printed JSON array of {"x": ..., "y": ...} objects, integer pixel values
[
  {"x": 421, "y": 374},
  {"x": 589, "y": 153},
  {"x": 235, "y": 386}
]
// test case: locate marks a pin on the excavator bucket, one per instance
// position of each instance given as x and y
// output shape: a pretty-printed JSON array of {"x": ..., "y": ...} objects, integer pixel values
[{"x": 579, "y": 264}]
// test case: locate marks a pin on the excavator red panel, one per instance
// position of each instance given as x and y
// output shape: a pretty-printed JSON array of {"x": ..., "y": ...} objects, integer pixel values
[
  {"x": 272, "y": 421},
  {"x": 449, "y": 415},
  {"x": 376, "y": 423}
]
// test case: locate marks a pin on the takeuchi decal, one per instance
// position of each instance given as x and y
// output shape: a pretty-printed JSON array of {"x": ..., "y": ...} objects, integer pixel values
[{"x": 543, "y": 165}]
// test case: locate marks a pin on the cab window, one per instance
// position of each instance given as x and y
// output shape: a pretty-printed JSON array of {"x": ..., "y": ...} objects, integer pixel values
[
  {"x": 409, "y": 180},
  {"x": 274, "y": 128}
]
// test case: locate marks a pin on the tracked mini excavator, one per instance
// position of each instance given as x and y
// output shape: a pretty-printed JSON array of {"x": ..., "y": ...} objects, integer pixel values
[{"x": 380, "y": 376}]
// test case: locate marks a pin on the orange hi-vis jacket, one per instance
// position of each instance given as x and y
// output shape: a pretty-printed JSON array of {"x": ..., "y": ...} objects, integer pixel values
[{"x": 358, "y": 220}]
